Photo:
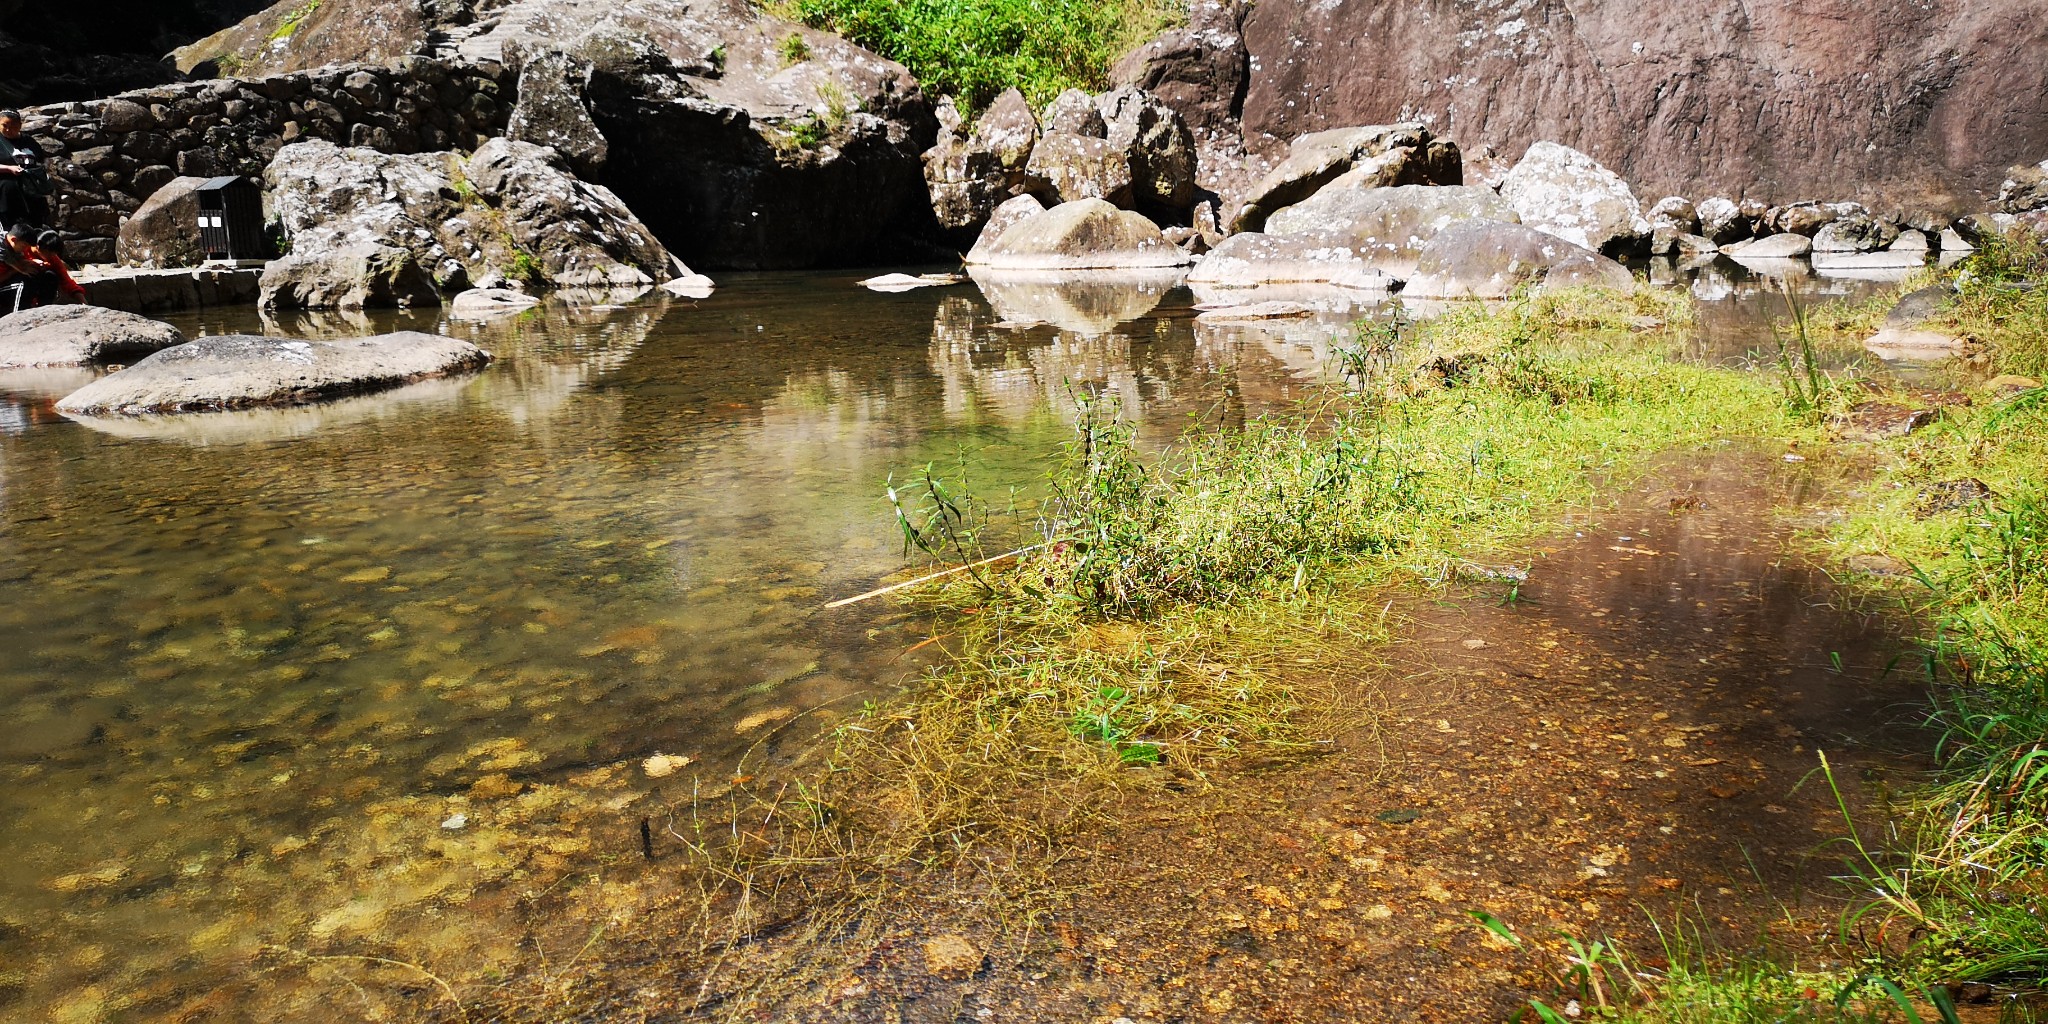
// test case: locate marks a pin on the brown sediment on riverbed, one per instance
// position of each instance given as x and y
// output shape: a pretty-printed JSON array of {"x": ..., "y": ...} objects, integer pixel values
[{"x": 1631, "y": 739}]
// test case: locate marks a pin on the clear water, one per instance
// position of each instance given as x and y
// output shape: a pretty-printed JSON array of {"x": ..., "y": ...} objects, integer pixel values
[{"x": 340, "y": 681}]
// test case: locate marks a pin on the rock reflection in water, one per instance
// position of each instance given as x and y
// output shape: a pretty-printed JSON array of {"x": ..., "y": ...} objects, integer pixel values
[{"x": 1087, "y": 302}]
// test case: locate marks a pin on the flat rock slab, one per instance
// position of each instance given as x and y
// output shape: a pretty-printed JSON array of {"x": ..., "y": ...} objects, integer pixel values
[
  {"x": 240, "y": 371},
  {"x": 80, "y": 336}
]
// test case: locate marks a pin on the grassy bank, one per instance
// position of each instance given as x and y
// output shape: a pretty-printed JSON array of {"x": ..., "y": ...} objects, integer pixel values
[
  {"x": 1959, "y": 516},
  {"x": 975, "y": 49}
]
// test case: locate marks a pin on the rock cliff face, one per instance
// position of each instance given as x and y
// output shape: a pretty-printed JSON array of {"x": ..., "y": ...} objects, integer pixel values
[
  {"x": 1892, "y": 101},
  {"x": 744, "y": 140}
]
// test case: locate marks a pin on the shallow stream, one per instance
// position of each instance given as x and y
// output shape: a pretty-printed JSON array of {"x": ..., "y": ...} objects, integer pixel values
[{"x": 324, "y": 679}]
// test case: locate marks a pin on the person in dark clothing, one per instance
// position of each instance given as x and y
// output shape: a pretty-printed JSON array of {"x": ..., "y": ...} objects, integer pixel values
[
  {"x": 24, "y": 177},
  {"x": 49, "y": 253},
  {"x": 24, "y": 281}
]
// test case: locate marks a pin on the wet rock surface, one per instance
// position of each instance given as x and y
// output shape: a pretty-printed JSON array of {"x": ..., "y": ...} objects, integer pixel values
[
  {"x": 80, "y": 336},
  {"x": 235, "y": 371}
]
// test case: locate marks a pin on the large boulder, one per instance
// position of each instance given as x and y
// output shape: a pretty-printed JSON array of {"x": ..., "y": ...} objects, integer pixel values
[
  {"x": 1074, "y": 112},
  {"x": 510, "y": 210},
  {"x": 1076, "y": 167},
  {"x": 79, "y": 336},
  {"x": 1082, "y": 235},
  {"x": 1569, "y": 194},
  {"x": 1387, "y": 227},
  {"x": 236, "y": 371},
  {"x": 163, "y": 231},
  {"x": 1160, "y": 150},
  {"x": 1770, "y": 247},
  {"x": 580, "y": 234},
  {"x": 1002, "y": 219},
  {"x": 1488, "y": 260},
  {"x": 746, "y": 148},
  {"x": 1857, "y": 232},
  {"x": 552, "y": 110},
  {"x": 1380, "y": 155}
]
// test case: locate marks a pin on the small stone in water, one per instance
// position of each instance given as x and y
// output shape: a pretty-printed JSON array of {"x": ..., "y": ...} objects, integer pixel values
[
  {"x": 455, "y": 821},
  {"x": 661, "y": 766}
]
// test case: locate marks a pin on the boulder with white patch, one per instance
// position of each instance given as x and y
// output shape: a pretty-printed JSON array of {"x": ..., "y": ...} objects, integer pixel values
[{"x": 1562, "y": 191}]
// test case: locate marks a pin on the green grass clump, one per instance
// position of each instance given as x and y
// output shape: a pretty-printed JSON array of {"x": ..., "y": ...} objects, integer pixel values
[
  {"x": 975, "y": 49},
  {"x": 1972, "y": 884}
]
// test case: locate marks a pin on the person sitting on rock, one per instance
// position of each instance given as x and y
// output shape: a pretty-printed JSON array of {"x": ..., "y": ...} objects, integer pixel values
[
  {"x": 25, "y": 283},
  {"x": 24, "y": 179},
  {"x": 49, "y": 253}
]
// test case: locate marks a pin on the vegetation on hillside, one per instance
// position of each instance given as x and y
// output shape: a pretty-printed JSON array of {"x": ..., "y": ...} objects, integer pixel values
[{"x": 975, "y": 49}]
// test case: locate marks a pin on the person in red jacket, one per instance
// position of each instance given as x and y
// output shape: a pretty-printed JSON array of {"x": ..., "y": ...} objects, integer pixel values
[
  {"x": 49, "y": 254},
  {"x": 24, "y": 281}
]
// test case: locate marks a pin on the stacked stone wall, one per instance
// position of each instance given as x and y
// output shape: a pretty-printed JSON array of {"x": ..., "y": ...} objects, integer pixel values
[{"x": 108, "y": 155}]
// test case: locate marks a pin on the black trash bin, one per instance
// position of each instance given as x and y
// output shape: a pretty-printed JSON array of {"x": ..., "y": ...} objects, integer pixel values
[{"x": 231, "y": 220}]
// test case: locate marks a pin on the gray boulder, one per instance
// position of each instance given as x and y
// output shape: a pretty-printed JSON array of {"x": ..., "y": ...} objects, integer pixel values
[
  {"x": 1198, "y": 70},
  {"x": 1721, "y": 220},
  {"x": 551, "y": 110},
  {"x": 1560, "y": 190},
  {"x": 1380, "y": 155},
  {"x": 79, "y": 336},
  {"x": 1856, "y": 232},
  {"x": 967, "y": 177},
  {"x": 1676, "y": 213},
  {"x": 1160, "y": 150},
  {"x": 1076, "y": 167},
  {"x": 511, "y": 210},
  {"x": 1008, "y": 214},
  {"x": 1074, "y": 112},
  {"x": 1488, "y": 260},
  {"x": 236, "y": 371},
  {"x": 1085, "y": 234},
  {"x": 160, "y": 232},
  {"x": 1387, "y": 227},
  {"x": 1907, "y": 332}
]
